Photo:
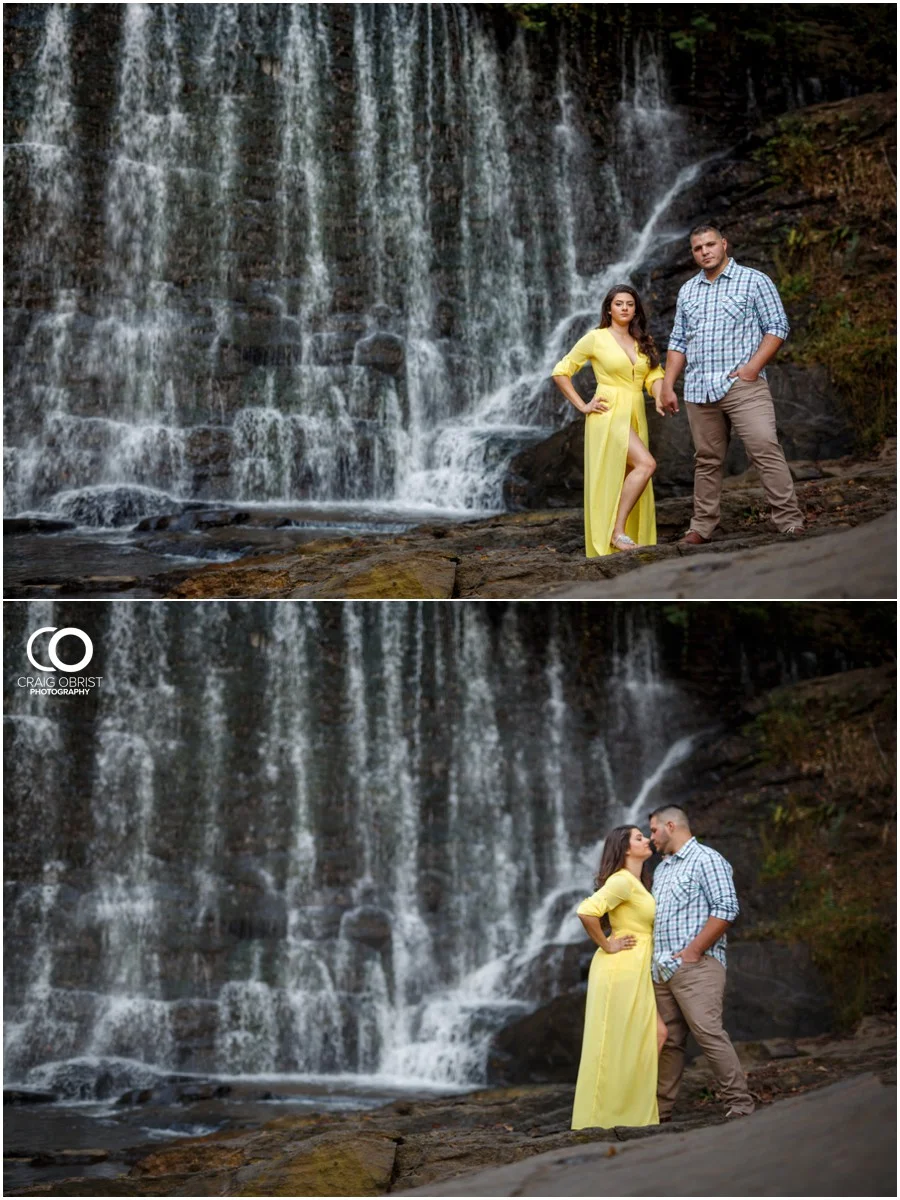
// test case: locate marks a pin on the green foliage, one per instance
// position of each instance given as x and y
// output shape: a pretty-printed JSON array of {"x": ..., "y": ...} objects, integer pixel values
[
  {"x": 794, "y": 287},
  {"x": 861, "y": 359},
  {"x": 759, "y": 37},
  {"x": 777, "y": 864},
  {"x": 781, "y": 854},
  {"x": 532, "y": 17},
  {"x": 846, "y": 314},
  {"x": 676, "y": 615},
  {"x": 825, "y": 844},
  {"x": 780, "y": 730},
  {"x": 851, "y": 944},
  {"x": 773, "y": 42},
  {"x": 686, "y": 39},
  {"x": 791, "y": 157},
  {"x": 761, "y": 613},
  {"x": 682, "y": 40}
]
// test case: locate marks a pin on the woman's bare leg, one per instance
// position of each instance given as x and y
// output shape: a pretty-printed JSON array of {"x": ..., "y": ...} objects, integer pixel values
[
  {"x": 639, "y": 468},
  {"x": 661, "y": 1033}
]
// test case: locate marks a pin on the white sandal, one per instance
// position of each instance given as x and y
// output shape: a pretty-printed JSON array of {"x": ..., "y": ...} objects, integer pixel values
[{"x": 624, "y": 542}]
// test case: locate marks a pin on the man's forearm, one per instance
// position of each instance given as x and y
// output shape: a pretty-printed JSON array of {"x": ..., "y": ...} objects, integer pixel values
[
  {"x": 709, "y": 934},
  {"x": 765, "y": 351},
  {"x": 675, "y": 361}
]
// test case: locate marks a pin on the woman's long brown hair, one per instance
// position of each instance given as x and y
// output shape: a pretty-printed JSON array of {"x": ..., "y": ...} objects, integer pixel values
[
  {"x": 612, "y": 859},
  {"x": 638, "y": 326}
]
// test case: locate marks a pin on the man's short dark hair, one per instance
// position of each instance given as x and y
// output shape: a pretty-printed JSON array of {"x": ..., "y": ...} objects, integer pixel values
[
  {"x": 705, "y": 227},
  {"x": 671, "y": 812}
]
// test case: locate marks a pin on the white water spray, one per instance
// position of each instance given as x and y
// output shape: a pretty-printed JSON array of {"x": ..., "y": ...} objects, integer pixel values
[{"x": 180, "y": 373}]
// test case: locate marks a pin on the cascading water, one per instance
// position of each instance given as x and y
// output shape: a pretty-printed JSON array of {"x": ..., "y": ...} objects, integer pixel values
[
  {"x": 467, "y": 469},
  {"x": 310, "y": 839},
  {"x": 307, "y": 252}
]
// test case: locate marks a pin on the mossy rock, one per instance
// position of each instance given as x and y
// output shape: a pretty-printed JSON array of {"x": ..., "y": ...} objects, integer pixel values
[
  {"x": 400, "y": 575},
  {"x": 332, "y": 1164}
]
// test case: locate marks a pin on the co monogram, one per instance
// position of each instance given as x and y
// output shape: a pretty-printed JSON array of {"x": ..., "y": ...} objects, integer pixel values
[{"x": 58, "y": 635}]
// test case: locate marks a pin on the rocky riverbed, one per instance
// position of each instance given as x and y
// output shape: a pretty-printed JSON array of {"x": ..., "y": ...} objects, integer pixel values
[
  {"x": 512, "y": 555},
  {"x": 422, "y": 1143}
]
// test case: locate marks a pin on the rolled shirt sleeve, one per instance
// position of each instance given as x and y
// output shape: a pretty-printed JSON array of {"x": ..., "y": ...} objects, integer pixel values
[
  {"x": 715, "y": 878},
  {"x": 577, "y": 356},
  {"x": 678, "y": 336},
  {"x": 615, "y": 891},
  {"x": 769, "y": 309}
]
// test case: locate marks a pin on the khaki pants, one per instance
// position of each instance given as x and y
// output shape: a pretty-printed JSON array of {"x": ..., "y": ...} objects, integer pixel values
[
  {"x": 749, "y": 408},
  {"x": 692, "y": 1002}
]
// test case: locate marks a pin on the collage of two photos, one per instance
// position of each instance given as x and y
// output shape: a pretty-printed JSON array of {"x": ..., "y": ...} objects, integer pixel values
[{"x": 449, "y": 599}]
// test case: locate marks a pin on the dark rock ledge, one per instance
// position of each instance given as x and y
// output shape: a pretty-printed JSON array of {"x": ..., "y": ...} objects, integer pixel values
[
  {"x": 417, "y": 1144},
  {"x": 521, "y": 555},
  {"x": 508, "y": 556}
]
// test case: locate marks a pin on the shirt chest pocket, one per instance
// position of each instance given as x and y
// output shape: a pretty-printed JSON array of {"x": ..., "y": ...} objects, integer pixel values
[
  {"x": 694, "y": 316},
  {"x": 686, "y": 890},
  {"x": 735, "y": 308}
]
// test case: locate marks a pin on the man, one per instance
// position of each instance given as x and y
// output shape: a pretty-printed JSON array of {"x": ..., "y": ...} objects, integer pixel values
[
  {"x": 695, "y": 904},
  {"x": 729, "y": 323}
]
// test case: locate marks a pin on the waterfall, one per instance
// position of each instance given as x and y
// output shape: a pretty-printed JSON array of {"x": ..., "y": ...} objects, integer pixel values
[
  {"x": 48, "y": 203},
  {"x": 307, "y": 253},
  {"x": 311, "y": 839}
]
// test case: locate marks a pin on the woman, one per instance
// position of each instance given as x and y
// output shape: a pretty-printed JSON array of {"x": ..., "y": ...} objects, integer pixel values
[
  {"x": 618, "y": 496},
  {"x": 623, "y": 1032}
]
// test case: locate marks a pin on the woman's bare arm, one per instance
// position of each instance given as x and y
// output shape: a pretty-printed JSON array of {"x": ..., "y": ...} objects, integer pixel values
[
  {"x": 675, "y": 361},
  {"x": 611, "y": 945},
  {"x": 656, "y": 393},
  {"x": 565, "y": 385}
]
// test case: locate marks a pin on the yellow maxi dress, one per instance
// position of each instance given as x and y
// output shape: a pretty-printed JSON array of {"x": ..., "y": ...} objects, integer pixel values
[
  {"x": 617, "y": 1076},
  {"x": 606, "y": 438}
]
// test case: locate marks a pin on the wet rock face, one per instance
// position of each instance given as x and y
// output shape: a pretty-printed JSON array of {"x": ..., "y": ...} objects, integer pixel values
[
  {"x": 27, "y": 1096},
  {"x": 295, "y": 226},
  {"x": 775, "y": 991},
  {"x": 112, "y": 506},
  {"x": 385, "y": 351},
  {"x": 272, "y": 783},
  {"x": 787, "y": 977},
  {"x": 543, "y": 1047},
  {"x": 368, "y": 925}
]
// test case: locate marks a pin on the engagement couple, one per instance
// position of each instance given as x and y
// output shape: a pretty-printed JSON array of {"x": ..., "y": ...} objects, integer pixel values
[
  {"x": 658, "y": 974},
  {"x": 729, "y": 323}
]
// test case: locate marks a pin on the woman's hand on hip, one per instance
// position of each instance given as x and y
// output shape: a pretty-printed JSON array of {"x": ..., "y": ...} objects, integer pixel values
[
  {"x": 625, "y": 942},
  {"x": 597, "y": 405}
]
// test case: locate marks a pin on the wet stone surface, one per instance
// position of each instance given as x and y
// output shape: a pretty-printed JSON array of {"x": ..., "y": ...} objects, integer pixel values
[
  {"x": 412, "y": 1143},
  {"x": 200, "y": 552}
]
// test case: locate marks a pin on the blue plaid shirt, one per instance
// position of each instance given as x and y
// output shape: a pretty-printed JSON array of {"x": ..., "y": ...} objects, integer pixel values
[
  {"x": 719, "y": 326},
  {"x": 689, "y": 886}
]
